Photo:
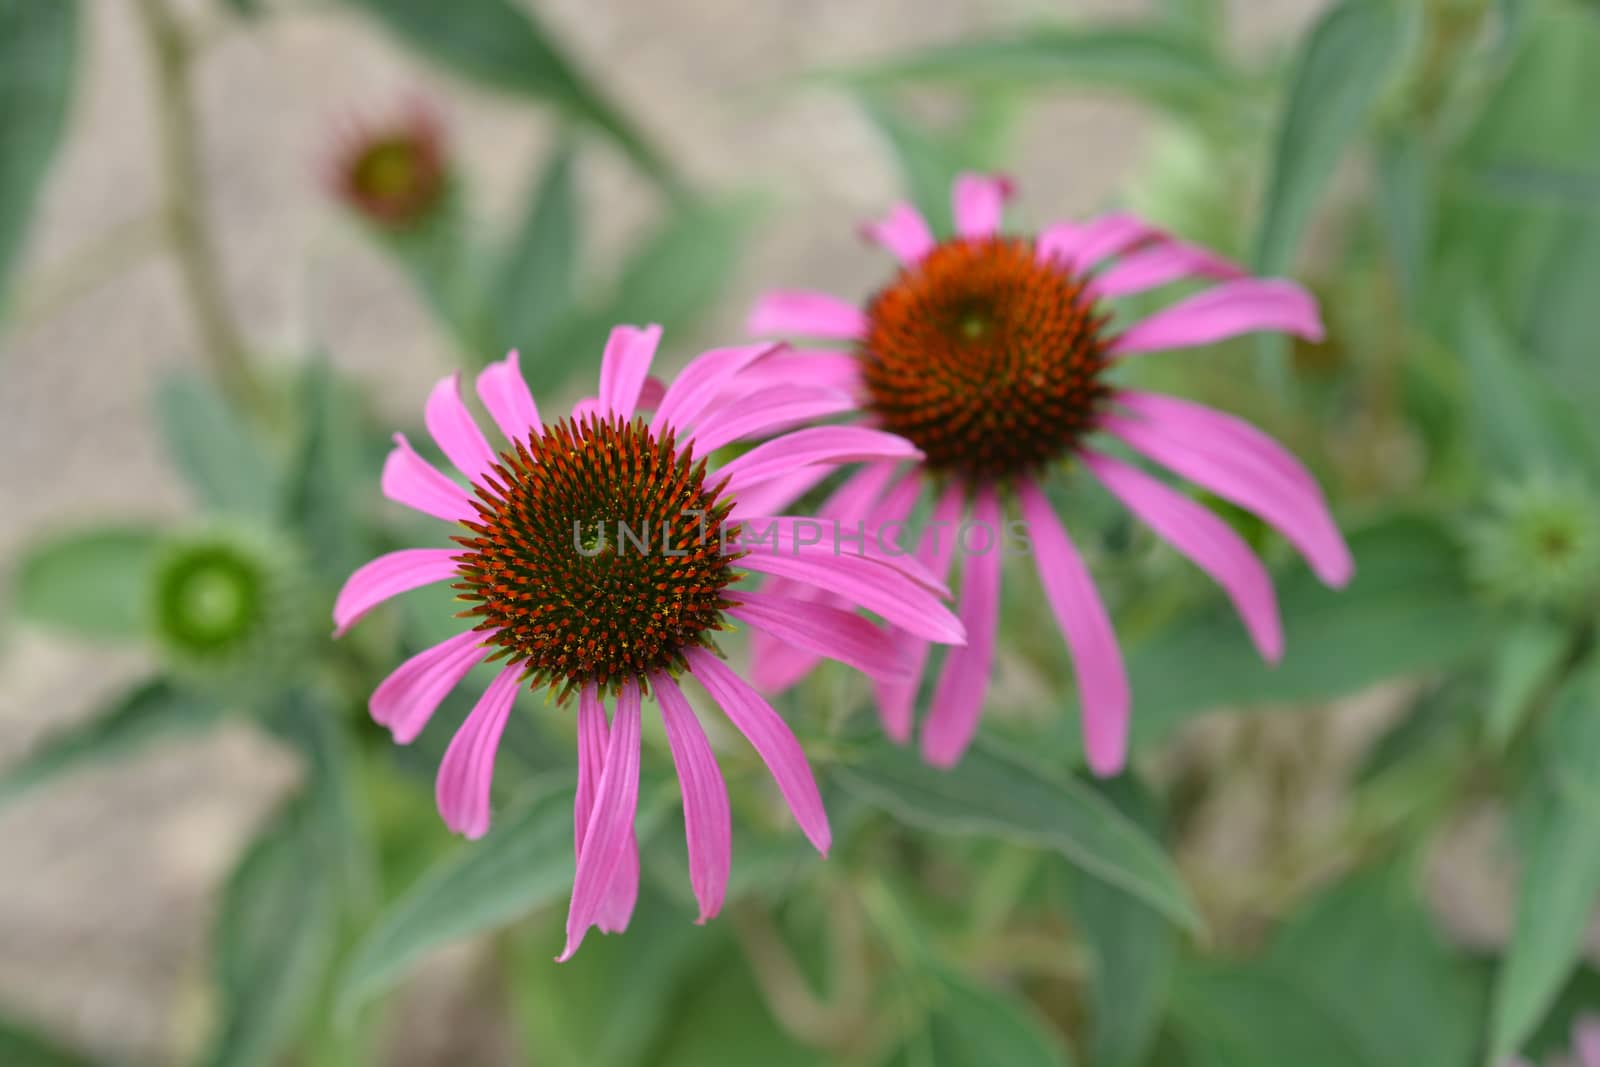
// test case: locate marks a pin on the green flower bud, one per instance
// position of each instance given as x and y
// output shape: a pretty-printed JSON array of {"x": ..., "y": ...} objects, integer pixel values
[{"x": 1539, "y": 545}]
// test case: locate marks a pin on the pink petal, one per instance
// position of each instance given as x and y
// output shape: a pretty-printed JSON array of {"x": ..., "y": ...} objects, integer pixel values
[
  {"x": 624, "y": 367},
  {"x": 411, "y": 480},
  {"x": 1219, "y": 431},
  {"x": 698, "y": 384},
  {"x": 1245, "y": 305},
  {"x": 772, "y": 739},
  {"x": 978, "y": 201},
  {"x": 1108, "y": 235},
  {"x": 504, "y": 392},
  {"x": 777, "y": 494},
  {"x": 407, "y": 699},
  {"x": 804, "y": 313},
  {"x": 707, "y": 824},
  {"x": 794, "y": 535},
  {"x": 453, "y": 429},
  {"x": 816, "y": 367},
  {"x": 866, "y": 583},
  {"x": 1057, "y": 243},
  {"x": 616, "y": 908},
  {"x": 766, "y": 412},
  {"x": 1586, "y": 1040},
  {"x": 958, "y": 697},
  {"x": 903, "y": 232},
  {"x": 817, "y": 445},
  {"x": 935, "y": 550},
  {"x": 608, "y": 837},
  {"x": 1168, "y": 261},
  {"x": 592, "y": 737},
  {"x": 651, "y": 393},
  {"x": 1211, "y": 543},
  {"x": 1254, "y": 481},
  {"x": 824, "y": 630},
  {"x": 1102, "y": 678},
  {"x": 467, "y": 771},
  {"x": 389, "y": 575}
]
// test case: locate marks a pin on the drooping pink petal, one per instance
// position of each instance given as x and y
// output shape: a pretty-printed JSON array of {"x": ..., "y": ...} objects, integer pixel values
[
  {"x": 1245, "y": 305},
  {"x": 817, "y": 444},
  {"x": 407, "y": 699},
  {"x": 978, "y": 201},
  {"x": 624, "y": 367},
  {"x": 1108, "y": 235},
  {"x": 616, "y": 907},
  {"x": 411, "y": 480},
  {"x": 593, "y": 733},
  {"x": 824, "y": 630},
  {"x": 1096, "y": 657},
  {"x": 963, "y": 681},
  {"x": 935, "y": 550},
  {"x": 816, "y": 367},
  {"x": 766, "y": 412},
  {"x": 1167, "y": 261},
  {"x": 467, "y": 770},
  {"x": 1219, "y": 431},
  {"x": 1201, "y": 535},
  {"x": 454, "y": 430},
  {"x": 1253, "y": 482},
  {"x": 774, "y": 496},
  {"x": 866, "y": 583},
  {"x": 794, "y": 535},
  {"x": 903, "y": 232},
  {"x": 698, "y": 384},
  {"x": 804, "y": 313},
  {"x": 772, "y": 739},
  {"x": 609, "y": 835},
  {"x": 707, "y": 823},
  {"x": 505, "y": 393},
  {"x": 389, "y": 575}
]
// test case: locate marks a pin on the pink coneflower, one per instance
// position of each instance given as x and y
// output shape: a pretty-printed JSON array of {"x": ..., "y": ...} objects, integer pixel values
[
  {"x": 394, "y": 175},
  {"x": 992, "y": 354},
  {"x": 1585, "y": 1046},
  {"x": 563, "y": 599}
]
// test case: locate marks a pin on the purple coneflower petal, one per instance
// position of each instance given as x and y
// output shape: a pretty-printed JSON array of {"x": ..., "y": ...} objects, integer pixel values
[
  {"x": 1169, "y": 261},
  {"x": 706, "y": 375},
  {"x": 707, "y": 822},
  {"x": 794, "y": 535},
  {"x": 1204, "y": 538},
  {"x": 608, "y": 837},
  {"x": 624, "y": 368},
  {"x": 866, "y": 583},
  {"x": 817, "y": 445},
  {"x": 1218, "y": 431},
  {"x": 772, "y": 739},
  {"x": 1056, "y": 242},
  {"x": 1106, "y": 236},
  {"x": 823, "y": 630},
  {"x": 616, "y": 908},
  {"x": 1253, "y": 482},
  {"x": 467, "y": 771},
  {"x": 958, "y": 697},
  {"x": 407, "y": 699},
  {"x": 978, "y": 202},
  {"x": 505, "y": 393},
  {"x": 1245, "y": 305},
  {"x": 411, "y": 480},
  {"x": 592, "y": 738},
  {"x": 767, "y": 411},
  {"x": 776, "y": 495},
  {"x": 454, "y": 430},
  {"x": 903, "y": 232},
  {"x": 389, "y": 575},
  {"x": 1586, "y": 1040},
  {"x": 806, "y": 314},
  {"x": 651, "y": 393},
  {"x": 817, "y": 367},
  {"x": 1096, "y": 657}
]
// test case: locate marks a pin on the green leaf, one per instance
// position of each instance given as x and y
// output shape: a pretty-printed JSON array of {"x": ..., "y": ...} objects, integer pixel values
[
  {"x": 212, "y": 445},
  {"x": 722, "y": 1018},
  {"x": 1524, "y": 661},
  {"x": 1253, "y": 1017},
  {"x": 148, "y": 712},
  {"x": 22, "y": 1048},
  {"x": 94, "y": 583},
  {"x": 538, "y": 276},
  {"x": 274, "y": 940},
  {"x": 502, "y": 45},
  {"x": 1406, "y": 206},
  {"x": 1343, "y": 65},
  {"x": 1561, "y": 866},
  {"x": 38, "y": 52},
  {"x": 996, "y": 794},
  {"x": 330, "y": 473},
  {"x": 1409, "y": 609},
  {"x": 523, "y": 863},
  {"x": 1367, "y": 952},
  {"x": 1156, "y": 62},
  {"x": 971, "y": 1025}
]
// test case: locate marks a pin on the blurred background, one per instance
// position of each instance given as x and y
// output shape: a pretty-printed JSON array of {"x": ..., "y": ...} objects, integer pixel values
[{"x": 188, "y": 280}]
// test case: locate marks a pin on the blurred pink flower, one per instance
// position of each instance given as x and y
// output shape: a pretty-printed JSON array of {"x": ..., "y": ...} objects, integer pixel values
[
  {"x": 990, "y": 354},
  {"x": 396, "y": 175},
  {"x": 558, "y": 600},
  {"x": 1585, "y": 1045}
]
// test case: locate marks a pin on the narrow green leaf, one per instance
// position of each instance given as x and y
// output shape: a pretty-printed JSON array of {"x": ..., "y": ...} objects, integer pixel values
[
  {"x": 148, "y": 712},
  {"x": 538, "y": 274},
  {"x": 997, "y": 794},
  {"x": 212, "y": 445},
  {"x": 523, "y": 863},
  {"x": 1406, "y": 205},
  {"x": 722, "y": 1018},
  {"x": 502, "y": 45},
  {"x": 330, "y": 473},
  {"x": 22, "y": 1048},
  {"x": 1253, "y": 1017},
  {"x": 1561, "y": 867},
  {"x": 1343, "y": 65},
  {"x": 972, "y": 1025},
  {"x": 94, "y": 583},
  {"x": 1525, "y": 660},
  {"x": 274, "y": 940},
  {"x": 38, "y": 53}
]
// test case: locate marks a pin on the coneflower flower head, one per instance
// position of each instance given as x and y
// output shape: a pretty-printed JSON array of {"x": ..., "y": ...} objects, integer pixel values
[
  {"x": 396, "y": 175},
  {"x": 1538, "y": 545}
]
